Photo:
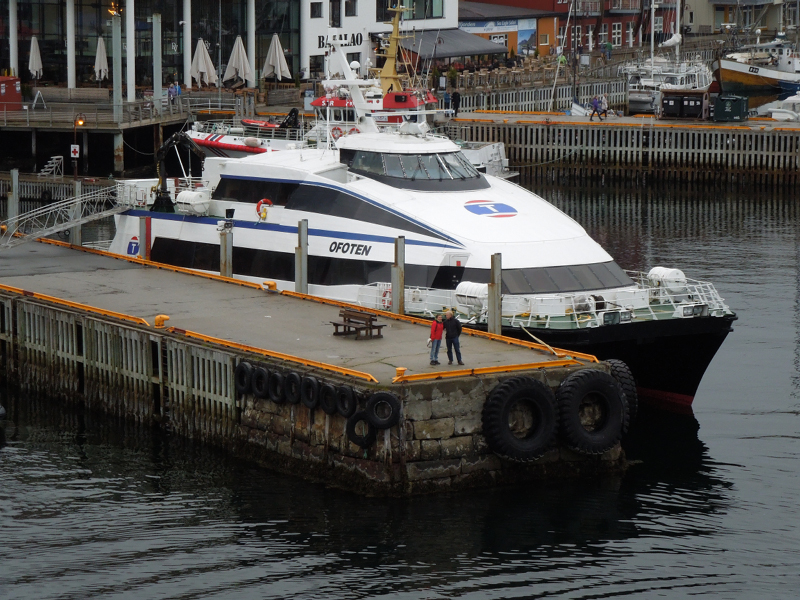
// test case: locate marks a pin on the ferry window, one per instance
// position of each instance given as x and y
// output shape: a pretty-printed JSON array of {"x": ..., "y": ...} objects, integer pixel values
[
  {"x": 369, "y": 162},
  {"x": 433, "y": 167},
  {"x": 458, "y": 165},
  {"x": 514, "y": 282},
  {"x": 411, "y": 167},
  {"x": 350, "y": 8},
  {"x": 253, "y": 190},
  {"x": 350, "y": 115},
  {"x": 316, "y": 10},
  {"x": 586, "y": 278},
  {"x": 394, "y": 167}
]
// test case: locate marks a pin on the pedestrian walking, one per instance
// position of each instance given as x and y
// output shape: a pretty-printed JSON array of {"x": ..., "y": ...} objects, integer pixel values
[
  {"x": 595, "y": 109},
  {"x": 455, "y": 100},
  {"x": 437, "y": 327},
  {"x": 452, "y": 328},
  {"x": 171, "y": 93},
  {"x": 603, "y": 107}
]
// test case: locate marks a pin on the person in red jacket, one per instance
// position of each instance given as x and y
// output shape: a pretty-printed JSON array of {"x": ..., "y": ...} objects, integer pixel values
[{"x": 437, "y": 327}]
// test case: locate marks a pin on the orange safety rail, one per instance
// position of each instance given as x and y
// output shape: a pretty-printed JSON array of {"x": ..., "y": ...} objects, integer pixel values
[
  {"x": 76, "y": 305},
  {"x": 484, "y": 371},
  {"x": 420, "y": 321},
  {"x": 460, "y": 120},
  {"x": 271, "y": 354}
]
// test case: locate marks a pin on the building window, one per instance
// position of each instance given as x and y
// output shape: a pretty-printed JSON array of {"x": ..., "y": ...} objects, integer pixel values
[
  {"x": 562, "y": 36},
  {"x": 421, "y": 9},
  {"x": 691, "y": 17},
  {"x": 604, "y": 33},
  {"x": 354, "y": 56},
  {"x": 616, "y": 34},
  {"x": 336, "y": 13},
  {"x": 316, "y": 66},
  {"x": 316, "y": 10},
  {"x": 499, "y": 38},
  {"x": 658, "y": 25},
  {"x": 590, "y": 35},
  {"x": 350, "y": 8},
  {"x": 576, "y": 36},
  {"x": 629, "y": 33},
  {"x": 544, "y": 39}
]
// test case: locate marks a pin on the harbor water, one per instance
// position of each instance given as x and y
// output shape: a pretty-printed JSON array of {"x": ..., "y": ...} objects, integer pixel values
[{"x": 92, "y": 507}]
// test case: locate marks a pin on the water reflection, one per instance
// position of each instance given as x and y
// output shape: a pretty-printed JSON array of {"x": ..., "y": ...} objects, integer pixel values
[{"x": 86, "y": 495}]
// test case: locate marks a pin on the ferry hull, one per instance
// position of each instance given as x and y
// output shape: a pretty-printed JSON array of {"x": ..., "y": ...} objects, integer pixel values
[{"x": 668, "y": 358}]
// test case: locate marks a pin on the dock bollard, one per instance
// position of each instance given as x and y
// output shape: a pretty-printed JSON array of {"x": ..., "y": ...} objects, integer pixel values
[{"x": 161, "y": 321}]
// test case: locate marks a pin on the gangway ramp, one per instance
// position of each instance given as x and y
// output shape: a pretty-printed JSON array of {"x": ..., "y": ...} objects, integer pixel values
[{"x": 62, "y": 215}]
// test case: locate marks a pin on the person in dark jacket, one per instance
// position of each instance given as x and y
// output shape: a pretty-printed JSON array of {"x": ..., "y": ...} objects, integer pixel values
[
  {"x": 452, "y": 331},
  {"x": 455, "y": 102}
]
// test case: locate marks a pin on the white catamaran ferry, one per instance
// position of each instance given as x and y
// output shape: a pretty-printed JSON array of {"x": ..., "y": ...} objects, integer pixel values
[{"x": 361, "y": 193}]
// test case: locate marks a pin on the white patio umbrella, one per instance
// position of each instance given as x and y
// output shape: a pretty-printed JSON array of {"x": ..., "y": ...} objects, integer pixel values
[
  {"x": 202, "y": 67},
  {"x": 35, "y": 61},
  {"x": 237, "y": 64},
  {"x": 276, "y": 61},
  {"x": 100, "y": 61}
]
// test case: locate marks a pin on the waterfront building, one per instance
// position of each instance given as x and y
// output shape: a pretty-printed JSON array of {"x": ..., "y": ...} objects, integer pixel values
[{"x": 67, "y": 32}]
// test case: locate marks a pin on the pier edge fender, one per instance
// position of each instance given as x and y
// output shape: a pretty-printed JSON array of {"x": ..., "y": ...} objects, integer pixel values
[
  {"x": 622, "y": 373},
  {"x": 327, "y": 399},
  {"x": 309, "y": 392},
  {"x": 291, "y": 388},
  {"x": 260, "y": 383},
  {"x": 345, "y": 401},
  {"x": 277, "y": 389},
  {"x": 362, "y": 441},
  {"x": 495, "y": 419},
  {"x": 595, "y": 398},
  {"x": 242, "y": 377},
  {"x": 376, "y": 403}
]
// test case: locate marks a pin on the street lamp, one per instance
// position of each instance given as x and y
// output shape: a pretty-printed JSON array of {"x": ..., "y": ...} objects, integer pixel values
[{"x": 80, "y": 119}]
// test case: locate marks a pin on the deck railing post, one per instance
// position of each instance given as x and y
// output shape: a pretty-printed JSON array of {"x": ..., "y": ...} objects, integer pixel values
[
  {"x": 225, "y": 229},
  {"x": 495, "y": 298},
  {"x": 399, "y": 276},
  {"x": 75, "y": 237},
  {"x": 13, "y": 200},
  {"x": 301, "y": 258}
]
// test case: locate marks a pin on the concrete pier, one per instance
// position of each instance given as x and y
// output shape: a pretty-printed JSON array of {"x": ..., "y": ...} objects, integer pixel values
[{"x": 159, "y": 345}]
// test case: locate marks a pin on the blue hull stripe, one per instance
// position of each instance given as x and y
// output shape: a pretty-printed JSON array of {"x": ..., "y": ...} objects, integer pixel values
[{"x": 344, "y": 235}]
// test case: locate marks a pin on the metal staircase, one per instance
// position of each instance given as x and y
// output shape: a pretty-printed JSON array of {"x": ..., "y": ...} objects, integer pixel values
[
  {"x": 62, "y": 215},
  {"x": 54, "y": 168}
]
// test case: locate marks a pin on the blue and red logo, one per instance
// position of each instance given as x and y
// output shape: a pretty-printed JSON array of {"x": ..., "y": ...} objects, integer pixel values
[
  {"x": 488, "y": 208},
  {"x": 133, "y": 246}
]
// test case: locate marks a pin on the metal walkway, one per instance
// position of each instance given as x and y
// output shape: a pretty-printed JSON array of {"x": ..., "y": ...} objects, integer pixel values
[{"x": 61, "y": 216}]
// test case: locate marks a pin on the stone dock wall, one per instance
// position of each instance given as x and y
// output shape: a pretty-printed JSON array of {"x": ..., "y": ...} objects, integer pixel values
[{"x": 123, "y": 367}]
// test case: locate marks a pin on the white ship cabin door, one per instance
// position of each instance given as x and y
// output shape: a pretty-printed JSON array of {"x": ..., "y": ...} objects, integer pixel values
[{"x": 455, "y": 260}]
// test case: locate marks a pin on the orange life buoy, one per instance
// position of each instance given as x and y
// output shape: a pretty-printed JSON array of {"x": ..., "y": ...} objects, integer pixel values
[
  {"x": 386, "y": 300},
  {"x": 261, "y": 204},
  {"x": 353, "y": 130},
  {"x": 336, "y": 132}
]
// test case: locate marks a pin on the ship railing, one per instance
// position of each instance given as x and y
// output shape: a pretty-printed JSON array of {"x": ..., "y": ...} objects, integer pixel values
[
  {"x": 418, "y": 300},
  {"x": 690, "y": 292},
  {"x": 224, "y": 127}
]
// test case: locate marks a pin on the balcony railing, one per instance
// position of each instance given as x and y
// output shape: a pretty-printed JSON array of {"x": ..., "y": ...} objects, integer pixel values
[
  {"x": 626, "y": 5},
  {"x": 590, "y": 7}
]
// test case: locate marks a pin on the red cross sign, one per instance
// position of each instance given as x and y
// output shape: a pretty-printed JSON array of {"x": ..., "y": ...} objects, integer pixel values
[{"x": 75, "y": 150}]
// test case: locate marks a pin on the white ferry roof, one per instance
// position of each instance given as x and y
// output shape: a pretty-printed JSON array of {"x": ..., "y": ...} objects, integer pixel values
[{"x": 396, "y": 143}]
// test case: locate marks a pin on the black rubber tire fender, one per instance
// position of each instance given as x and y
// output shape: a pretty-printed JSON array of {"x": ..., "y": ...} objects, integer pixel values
[
  {"x": 377, "y": 404},
  {"x": 260, "y": 383},
  {"x": 361, "y": 440},
  {"x": 277, "y": 389},
  {"x": 327, "y": 399},
  {"x": 346, "y": 401},
  {"x": 503, "y": 404},
  {"x": 309, "y": 392},
  {"x": 622, "y": 373},
  {"x": 243, "y": 377},
  {"x": 593, "y": 409},
  {"x": 291, "y": 386}
]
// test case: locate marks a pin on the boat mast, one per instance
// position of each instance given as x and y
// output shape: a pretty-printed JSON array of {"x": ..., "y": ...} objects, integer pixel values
[
  {"x": 388, "y": 75},
  {"x": 652, "y": 31},
  {"x": 678, "y": 14}
]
